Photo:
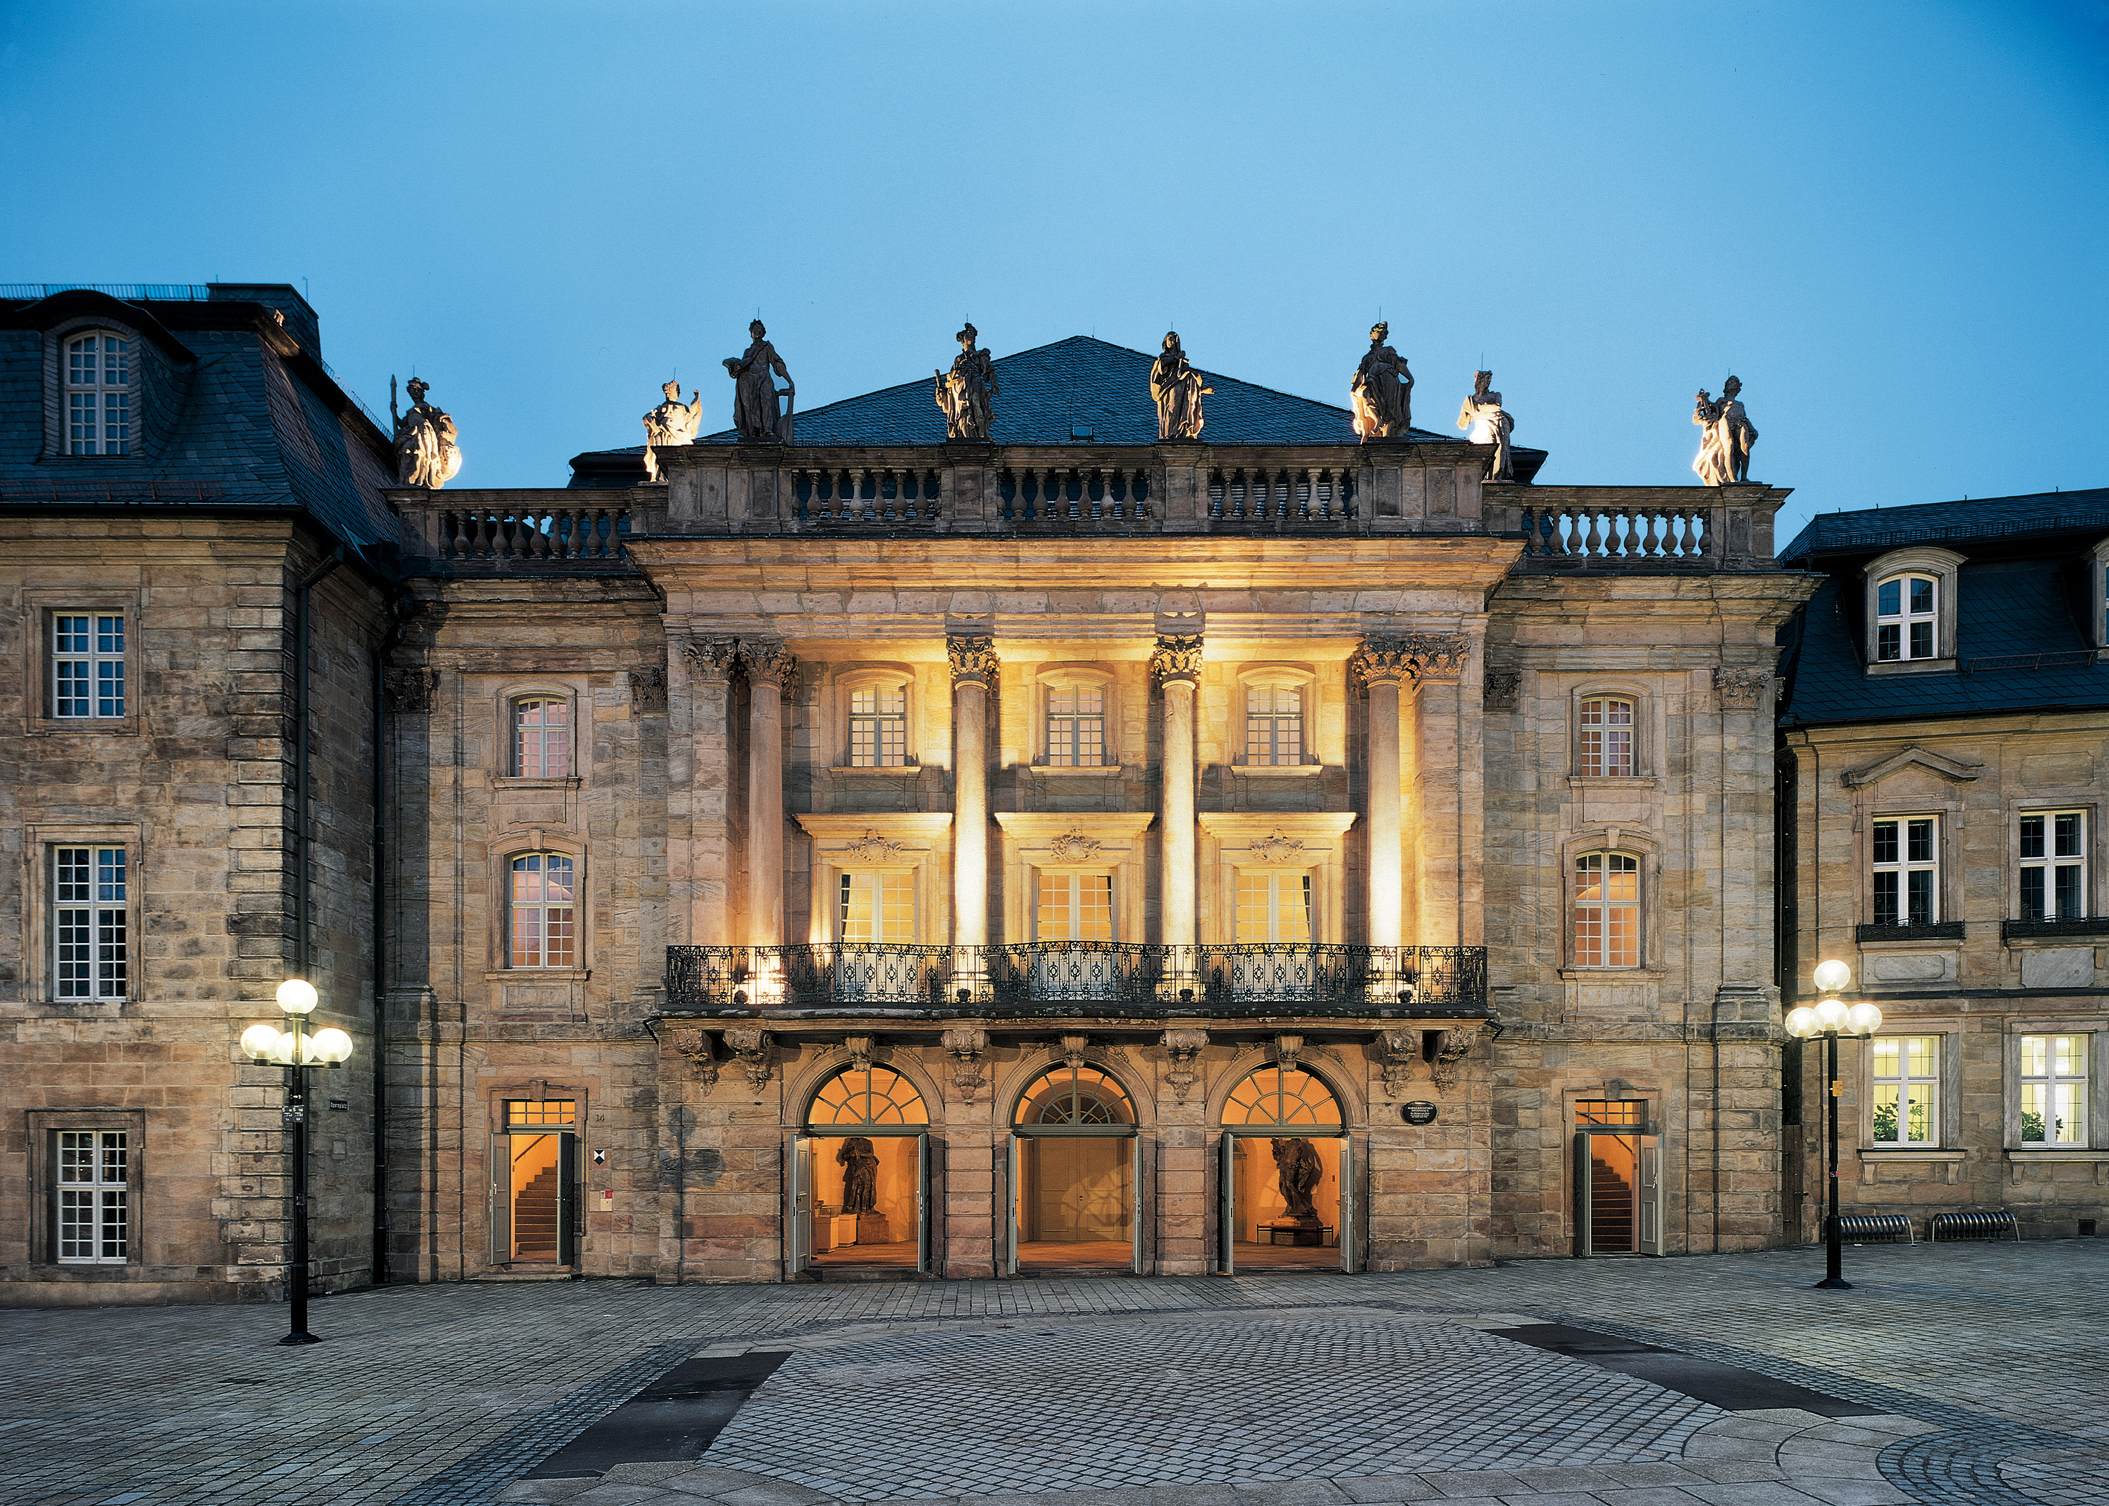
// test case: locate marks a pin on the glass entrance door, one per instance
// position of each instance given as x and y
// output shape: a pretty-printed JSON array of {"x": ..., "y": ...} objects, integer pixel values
[
  {"x": 863, "y": 1167},
  {"x": 1617, "y": 1179},
  {"x": 534, "y": 1203},
  {"x": 1076, "y": 1175},
  {"x": 1285, "y": 1178}
]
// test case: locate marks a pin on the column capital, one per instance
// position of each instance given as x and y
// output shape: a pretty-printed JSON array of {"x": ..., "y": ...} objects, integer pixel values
[
  {"x": 973, "y": 657},
  {"x": 1177, "y": 659},
  {"x": 767, "y": 662},
  {"x": 1392, "y": 658},
  {"x": 710, "y": 658}
]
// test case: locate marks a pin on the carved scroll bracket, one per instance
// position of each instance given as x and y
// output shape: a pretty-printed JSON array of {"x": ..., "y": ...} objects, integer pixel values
[
  {"x": 1402, "y": 1059},
  {"x": 1452, "y": 1047},
  {"x": 701, "y": 1053},
  {"x": 750, "y": 1047},
  {"x": 966, "y": 1047},
  {"x": 1184, "y": 1047}
]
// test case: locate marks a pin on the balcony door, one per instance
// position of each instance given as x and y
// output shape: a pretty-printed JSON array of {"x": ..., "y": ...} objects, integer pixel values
[
  {"x": 1274, "y": 958},
  {"x": 873, "y": 911},
  {"x": 1073, "y": 926}
]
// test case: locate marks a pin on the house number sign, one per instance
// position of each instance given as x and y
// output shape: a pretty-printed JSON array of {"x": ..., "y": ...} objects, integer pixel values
[{"x": 1417, "y": 1113}]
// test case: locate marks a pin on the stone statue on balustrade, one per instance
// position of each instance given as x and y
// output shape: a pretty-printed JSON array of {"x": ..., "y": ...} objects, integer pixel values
[
  {"x": 672, "y": 422},
  {"x": 1726, "y": 435},
  {"x": 755, "y": 410},
  {"x": 426, "y": 453},
  {"x": 1485, "y": 421},
  {"x": 1297, "y": 1172},
  {"x": 967, "y": 393},
  {"x": 1382, "y": 391},
  {"x": 1178, "y": 390}
]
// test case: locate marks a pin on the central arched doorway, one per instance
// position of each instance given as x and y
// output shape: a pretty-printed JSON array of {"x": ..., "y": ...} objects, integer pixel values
[
  {"x": 1287, "y": 1175},
  {"x": 1075, "y": 1174},
  {"x": 860, "y": 1176}
]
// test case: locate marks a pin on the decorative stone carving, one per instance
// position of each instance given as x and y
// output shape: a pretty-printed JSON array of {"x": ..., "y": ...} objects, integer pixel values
[
  {"x": 860, "y": 1048},
  {"x": 648, "y": 688},
  {"x": 672, "y": 422},
  {"x": 1402, "y": 1059},
  {"x": 754, "y": 404},
  {"x": 1452, "y": 1047},
  {"x": 1297, "y": 1172},
  {"x": 1287, "y": 1050},
  {"x": 1382, "y": 391},
  {"x": 1502, "y": 687},
  {"x": 701, "y": 1054},
  {"x": 1177, "y": 389},
  {"x": 414, "y": 692},
  {"x": 426, "y": 452},
  {"x": 1742, "y": 688},
  {"x": 711, "y": 658},
  {"x": 767, "y": 662},
  {"x": 874, "y": 848},
  {"x": 749, "y": 1046},
  {"x": 1393, "y": 658},
  {"x": 1440, "y": 656},
  {"x": 1073, "y": 1048},
  {"x": 965, "y": 1047},
  {"x": 1184, "y": 1047},
  {"x": 967, "y": 393},
  {"x": 1176, "y": 657},
  {"x": 1485, "y": 421},
  {"x": 1074, "y": 847},
  {"x": 1383, "y": 661},
  {"x": 1280, "y": 847},
  {"x": 1726, "y": 435},
  {"x": 973, "y": 657}
]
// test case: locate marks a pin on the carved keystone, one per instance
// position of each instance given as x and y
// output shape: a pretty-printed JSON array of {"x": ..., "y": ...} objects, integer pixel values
[
  {"x": 965, "y": 1048},
  {"x": 1184, "y": 1048},
  {"x": 1287, "y": 1048}
]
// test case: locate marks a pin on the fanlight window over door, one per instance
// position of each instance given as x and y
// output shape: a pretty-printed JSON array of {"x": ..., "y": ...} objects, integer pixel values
[
  {"x": 1074, "y": 1095},
  {"x": 867, "y": 1096},
  {"x": 1290, "y": 1097}
]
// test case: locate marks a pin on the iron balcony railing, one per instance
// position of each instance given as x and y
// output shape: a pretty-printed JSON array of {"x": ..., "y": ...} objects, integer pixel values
[{"x": 1139, "y": 978}]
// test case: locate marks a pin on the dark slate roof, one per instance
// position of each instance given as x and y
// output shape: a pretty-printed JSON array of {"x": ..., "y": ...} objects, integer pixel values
[{"x": 1980, "y": 520}]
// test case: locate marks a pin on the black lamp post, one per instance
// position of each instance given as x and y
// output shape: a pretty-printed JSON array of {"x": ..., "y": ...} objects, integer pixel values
[{"x": 1829, "y": 1019}]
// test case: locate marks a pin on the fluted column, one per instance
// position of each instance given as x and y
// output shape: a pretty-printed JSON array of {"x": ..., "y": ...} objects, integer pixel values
[
  {"x": 1383, "y": 665},
  {"x": 769, "y": 667},
  {"x": 1176, "y": 665},
  {"x": 973, "y": 657}
]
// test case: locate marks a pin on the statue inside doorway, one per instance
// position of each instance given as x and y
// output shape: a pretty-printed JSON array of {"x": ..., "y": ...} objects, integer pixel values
[
  {"x": 1297, "y": 1172},
  {"x": 860, "y": 1175}
]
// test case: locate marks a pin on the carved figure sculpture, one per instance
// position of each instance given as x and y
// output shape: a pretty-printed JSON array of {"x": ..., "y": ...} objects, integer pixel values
[
  {"x": 1178, "y": 389},
  {"x": 425, "y": 450},
  {"x": 1382, "y": 391},
  {"x": 672, "y": 422},
  {"x": 1726, "y": 436},
  {"x": 1485, "y": 421},
  {"x": 1297, "y": 1172},
  {"x": 754, "y": 404},
  {"x": 967, "y": 393},
  {"x": 860, "y": 1175}
]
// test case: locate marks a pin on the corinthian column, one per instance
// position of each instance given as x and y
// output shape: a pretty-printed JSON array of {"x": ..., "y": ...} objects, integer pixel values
[
  {"x": 973, "y": 657},
  {"x": 769, "y": 666},
  {"x": 1176, "y": 665},
  {"x": 1383, "y": 665}
]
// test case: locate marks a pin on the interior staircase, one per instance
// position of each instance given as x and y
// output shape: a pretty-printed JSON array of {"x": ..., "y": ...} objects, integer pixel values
[
  {"x": 1610, "y": 1208},
  {"x": 535, "y": 1218}
]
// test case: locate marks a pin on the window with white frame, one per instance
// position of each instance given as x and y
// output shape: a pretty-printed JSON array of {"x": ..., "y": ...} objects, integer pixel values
[
  {"x": 92, "y": 1168},
  {"x": 876, "y": 907},
  {"x": 1274, "y": 907},
  {"x": 1607, "y": 910},
  {"x": 878, "y": 726},
  {"x": 90, "y": 926},
  {"x": 1075, "y": 907},
  {"x": 99, "y": 394},
  {"x": 1607, "y": 738},
  {"x": 2053, "y": 860},
  {"x": 544, "y": 916},
  {"x": 1907, "y": 618},
  {"x": 1076, "y": 726},
  {"x": 2054, "y": 1090},
  {"x": 1904, "y": 854},
  {"x": 542, "y": 737},
  {"x": 1906, "y": 1071},
  {"x": 1273, "y": 726},
  {"x": 87, "y": 664}
]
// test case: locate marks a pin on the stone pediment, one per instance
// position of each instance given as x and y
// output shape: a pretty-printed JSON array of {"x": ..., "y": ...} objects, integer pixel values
[{"x": 1874, "y": 773}]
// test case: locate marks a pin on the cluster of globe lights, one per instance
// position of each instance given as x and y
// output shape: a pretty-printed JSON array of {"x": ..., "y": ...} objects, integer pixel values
[
  {"x": 1832, "y": 1015},
  {"x": 267, "y": 1043}
]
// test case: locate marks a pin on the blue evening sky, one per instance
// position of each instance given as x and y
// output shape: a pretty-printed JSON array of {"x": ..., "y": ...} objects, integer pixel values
[{"x": 1888, "y": 219}]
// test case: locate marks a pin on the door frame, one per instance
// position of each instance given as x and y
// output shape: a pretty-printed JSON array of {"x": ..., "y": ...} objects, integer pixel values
[
  {"x": 570, "y": 1192},
  {"x": 921, "y": 1133},
  {"x": 1227, "y": 1188},
  {"x": 1645, "y": 1142},
  {"x": 1014, "y": 1233}
]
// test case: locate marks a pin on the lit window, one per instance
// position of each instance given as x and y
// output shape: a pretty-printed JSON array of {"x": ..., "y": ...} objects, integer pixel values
[
  {"x": 1907, "y": 870},
  {"x": 550, "y": 1113},
  {"x": 1907, "y": 1090},
  {"x": 87, "y": 664},
  {"x": 90, "y": 922},
  {"x": 877, "y": 907},
  {"x": 99, "y": 395},
  {"x": 870, "y": 1095},
  {"x": 1074, "y": 1095},
  {"x": 93, "y": 1197},
  {"x": 1281, "y": 1095},
  {"x": 542, "y": 739},
  {"x": 1607, "y": 739},
  {"x": 544, "y": 917},
  {"x": 1076, "y": 907},
  {"x": 1274, "y": 907},
  {"x": 1607, "y": 910},
  {"x": 2054, "y": 865},
  {"x": 1076, "y": 726},
  {"x": 1905, "y": 620},
  {"x": 878, "y": 727},
  {"x": 1274, "y": 726},
  {"x": 2054, "y": 1089}
]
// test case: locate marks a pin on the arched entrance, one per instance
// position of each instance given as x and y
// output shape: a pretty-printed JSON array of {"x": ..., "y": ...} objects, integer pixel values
[
  {"x": 1287, "y": 1175},
  {"x": 860, "y": 1176},
  {"x": 1075, "y": 1174}
]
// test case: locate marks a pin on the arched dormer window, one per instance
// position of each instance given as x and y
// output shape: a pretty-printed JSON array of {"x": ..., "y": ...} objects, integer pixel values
[
  {"x": 1910, "y": 611},
  {"x": 1906, "y": 619},
  {"x": 98, "y": 368}
]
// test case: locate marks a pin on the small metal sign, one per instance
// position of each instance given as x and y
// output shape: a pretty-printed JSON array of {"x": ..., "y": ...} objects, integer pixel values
[
  {"x": 340, "y": 1105},
  {"x": 1419, "y": 1112}
]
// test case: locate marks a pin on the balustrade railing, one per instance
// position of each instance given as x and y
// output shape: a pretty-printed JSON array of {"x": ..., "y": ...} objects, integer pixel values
[
  {"x": 1262, "y": 495},
  {"x": 900, "y": 496},
  {"x": 1056, "y": 496},
  {"x": 1619, "y": 535},
  {"x": 465, "y": 533}
]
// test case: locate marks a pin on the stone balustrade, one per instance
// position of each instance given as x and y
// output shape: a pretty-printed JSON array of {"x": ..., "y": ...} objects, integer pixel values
[
  {"x": 1637, "y": 528},
  {"x": 887, "y": 495},
  {"x": 500, "y": 530}
]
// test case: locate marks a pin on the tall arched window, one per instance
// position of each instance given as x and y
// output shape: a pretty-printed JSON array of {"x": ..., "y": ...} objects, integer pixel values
[
  {"x": 1286, "y": 1096},
  {"x": 542, "y": 738},
  {"x": 866, "y": 1096},
  {"x": 99, "y": 394},
  {"x": 1074, "y": 1095},
  {"x": 1907, "y": 618},
  {"x": 544, "y": 915},
  {"x": 1607, "y": 738},
  {"x": 1606, "y": 910}
]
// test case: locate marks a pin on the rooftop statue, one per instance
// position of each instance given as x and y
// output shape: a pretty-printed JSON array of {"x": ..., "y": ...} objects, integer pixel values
[
  {"x": 672, "y": 422},
  {"x": 1383, "y": 391},
  {"x": 1485, "y": 421},
  {"x": 967, "y": 393},
  {"x": 754, "y": 410},
  {"x": 425, "y": 450},
  {"x": 1178, "y": 389},
  {"x": 1726, "y": 436}
]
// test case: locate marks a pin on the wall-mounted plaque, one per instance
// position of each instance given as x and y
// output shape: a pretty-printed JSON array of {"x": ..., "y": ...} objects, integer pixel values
[{"x": 1420, "y": 1112}]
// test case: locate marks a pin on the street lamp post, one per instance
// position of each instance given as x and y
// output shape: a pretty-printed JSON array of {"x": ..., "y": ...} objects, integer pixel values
[
  {"x": 1830, "y": 1018},
  {"x": 295, "y": 1048}
]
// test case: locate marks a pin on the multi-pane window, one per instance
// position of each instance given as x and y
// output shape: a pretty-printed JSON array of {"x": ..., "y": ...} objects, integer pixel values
[
  {"x": 1907, "y": 1089},
  {"x": 878, "y": 727},
  {"x": 1076, "y": 726},
  {"x": 1607, "y": 738},
  {"x": 1075, "y": 907},
  {"x": 1606, "y": 910},
  {"x": 542, "y": 738},
  {"x": 1274, "y": 907},
  {"x": 1274, "y": 726},
  {"x": 91, "y": 948},
  {"x": 1906, "y": 861},
  {"x": 99, "y": 395},
  {"x": 877, "y": 907},
  {"x": 2054, "y": 1090},
  {"x": 544, "y": 911},
  {"x": 1905, "y": 620},
  {"x": 87, "y": 664},
  {"x": 2053, "y": 865},
  {"x": 93, "y": 1197}
]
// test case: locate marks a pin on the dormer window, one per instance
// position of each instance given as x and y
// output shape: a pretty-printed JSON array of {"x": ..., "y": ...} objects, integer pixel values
[
  {"x": 98, "y": 394},
  {"x": 1910, "y": 612},
  {"x": 1905, "y": 618}
]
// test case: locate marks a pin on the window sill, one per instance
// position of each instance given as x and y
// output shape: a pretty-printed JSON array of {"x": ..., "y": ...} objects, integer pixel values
[
  {"x": 83, "y": 726},
  {"x": 1279, "y": 770},
  {"x": 1908, "y": 935},
  {"x": 522, "y": 782},
  {"x": 538, "y": 974},
  {"x": 895, "y": 769},
  {"x": 1928, "y": 1163},
  {"x": 1086, "y": 770},
  {"x": 2074, "y": 1153},
  {"x": 1611, "y": 781},
  {"x": 1614, "y": 974},
  {"x": 1912, "y": 666},
  {"x": 1911, "y": 1153}
]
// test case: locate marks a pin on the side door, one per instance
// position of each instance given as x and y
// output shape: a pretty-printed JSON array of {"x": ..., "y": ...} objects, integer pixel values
[
  {"x": 1227, "y": 1201},
  {"x": 1647, "y": 1196},
  {"x": 798, "y": 1207},
  {"x": 1135, "y": 1201},
  {"x": 1584, "y": 1195},
  {"x": 1014, "y": 1213},
  {"x": 571, "y": 1210},
  {"x": 501, "y": 1197},
  {"x": 922, "y": 1204},
  {"x": 1347, "y": 1203}
]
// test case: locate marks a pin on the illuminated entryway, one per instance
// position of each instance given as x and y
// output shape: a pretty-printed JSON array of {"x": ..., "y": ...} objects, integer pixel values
[
  {"x": 860, "y": 1176},
  {"x": 1075, "y": 1174},
  {"x": 1617, "y": 1179},
  {"x": 534, "y": 1184},
  {"x": 1286, "y": 1176}
]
